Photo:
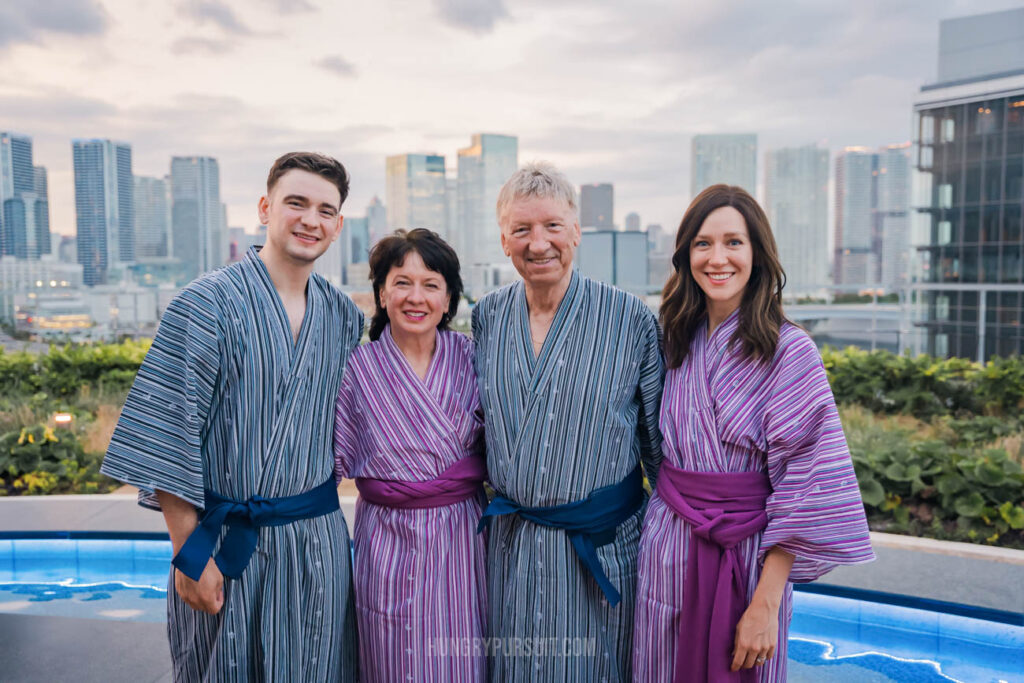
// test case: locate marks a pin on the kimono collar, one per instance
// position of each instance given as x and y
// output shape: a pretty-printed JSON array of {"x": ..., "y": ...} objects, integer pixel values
[
  {"x": 399, "y": 359},
  {"x": 723, "y": 334}
]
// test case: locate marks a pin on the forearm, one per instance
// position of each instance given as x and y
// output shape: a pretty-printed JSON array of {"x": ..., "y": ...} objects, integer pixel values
[
  {"x": 180, "y": 516},
  {"x": 774, "y": 574}
]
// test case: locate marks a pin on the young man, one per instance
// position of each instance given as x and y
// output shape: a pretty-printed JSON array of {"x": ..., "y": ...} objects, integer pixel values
[{"x": 228, "y": 431}]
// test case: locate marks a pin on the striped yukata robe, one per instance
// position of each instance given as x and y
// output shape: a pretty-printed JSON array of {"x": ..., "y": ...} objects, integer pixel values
[
  {"x": 722, "y": 413},
  {"x": 226, "y": 401},
  {"x": 578, "y": 417},
  {"x": 419, "y": 573}
]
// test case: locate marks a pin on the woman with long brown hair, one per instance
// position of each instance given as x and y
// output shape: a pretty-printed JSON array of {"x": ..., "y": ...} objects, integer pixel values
[{"x": 757, "y": 490}]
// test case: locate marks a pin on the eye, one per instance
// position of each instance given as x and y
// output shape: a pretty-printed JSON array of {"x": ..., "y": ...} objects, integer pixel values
[
  {"x": 700, "y": 243},
  {"x": 735, "y": 242},
  {"x": 327, "y": 213}
]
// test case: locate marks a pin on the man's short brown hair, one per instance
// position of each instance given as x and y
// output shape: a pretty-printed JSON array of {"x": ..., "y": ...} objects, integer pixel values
[{"x": 322, "y": 165}]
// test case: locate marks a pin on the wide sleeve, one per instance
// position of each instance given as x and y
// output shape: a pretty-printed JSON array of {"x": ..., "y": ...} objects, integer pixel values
[
  {"x": 346, "y": 433},
  {"x": 648, "y": 396},
  {"x": 157, "y": 444},
  {"x": 815, "y": 510}
]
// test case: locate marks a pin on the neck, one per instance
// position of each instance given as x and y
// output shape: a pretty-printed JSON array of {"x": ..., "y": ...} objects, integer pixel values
[
  {"x": 545, "y": 299},
  {"x": 289, "y": 276},
  {"x": 415, "y": 347},
  {"x": 717, "y": 313}
]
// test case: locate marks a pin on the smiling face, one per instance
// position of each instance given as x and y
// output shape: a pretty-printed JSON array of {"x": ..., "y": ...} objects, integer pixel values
[
  {"x": 302, "y": 216},
  {"x": 540, "y": 235},
  {"x": 414, "y": 297},
  {"x": 721, "y": 258}
]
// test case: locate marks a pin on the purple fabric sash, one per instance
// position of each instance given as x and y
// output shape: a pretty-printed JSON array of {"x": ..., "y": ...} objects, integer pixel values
[
  {"x": 457, "y": 483},
  {"x": 724, "y": 509}
]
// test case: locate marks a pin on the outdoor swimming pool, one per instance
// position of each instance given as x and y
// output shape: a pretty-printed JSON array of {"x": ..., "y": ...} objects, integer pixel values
[{"x": 838, "y": 637}]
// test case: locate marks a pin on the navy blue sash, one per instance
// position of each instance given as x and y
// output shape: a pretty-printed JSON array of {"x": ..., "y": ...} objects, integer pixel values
[
  {"x": 243, "y": 520},
  {"x": 590, "y": 523}
]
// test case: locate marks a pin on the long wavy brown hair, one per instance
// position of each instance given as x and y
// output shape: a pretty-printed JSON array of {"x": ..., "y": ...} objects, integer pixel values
[{"x": 683, "y": 302}]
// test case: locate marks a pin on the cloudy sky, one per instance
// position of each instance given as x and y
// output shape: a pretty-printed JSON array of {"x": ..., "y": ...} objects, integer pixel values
[{"x": 609, "y": 91}]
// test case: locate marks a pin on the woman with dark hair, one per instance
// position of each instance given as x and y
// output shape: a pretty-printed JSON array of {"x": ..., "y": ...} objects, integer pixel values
[
  {"x": 409, "y": 429},
  {"x": 757, "y": 489}
]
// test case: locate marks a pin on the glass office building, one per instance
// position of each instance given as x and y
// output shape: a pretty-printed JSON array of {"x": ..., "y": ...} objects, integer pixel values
[{"x": 969, "y": 194}]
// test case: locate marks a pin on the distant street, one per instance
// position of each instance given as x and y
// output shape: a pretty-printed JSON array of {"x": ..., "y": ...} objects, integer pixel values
[{"x": 10, "y": 344}]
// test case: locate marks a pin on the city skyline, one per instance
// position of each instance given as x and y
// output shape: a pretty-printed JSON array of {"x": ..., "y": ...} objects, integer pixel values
[{"x": 222, "y": 82}]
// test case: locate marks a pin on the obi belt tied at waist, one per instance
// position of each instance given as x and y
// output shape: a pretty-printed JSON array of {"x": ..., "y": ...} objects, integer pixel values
[
  {"x": 243, "y": 520},
  {"x": 724, "y": 508},
  {"x": 459, "y": 482},
  {"x": 590, "y": 523}
]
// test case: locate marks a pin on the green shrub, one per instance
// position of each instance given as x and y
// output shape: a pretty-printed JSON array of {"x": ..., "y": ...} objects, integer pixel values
[
  {"x": 39, "y": 459},
  {"x": 937, "y": 479}
]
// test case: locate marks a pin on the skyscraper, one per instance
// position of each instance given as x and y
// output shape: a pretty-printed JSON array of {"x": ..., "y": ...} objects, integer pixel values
[
  {"x": 152, "y": 218},
  {"x": 24, "y": 212},
  {"x": 415, "y": 192},
  {"x": 198, "y": 230},
  {"x": 871, "y": 240},
  {"x": 104, "y": 206},
  {"x": 969, "y": 221},
  {"x": 632, "y": 222},
  {"x": 891, "y": 215},
  {"x": 796, "y": 201},
  {"x": 856, "y": 261},
  {"x": 483, "y": 168},
  {"x": 729, "y": 159},
  {"x": 597, "y": 203},
  {"x": 376, "y": 228},
  {"x": 617, "y": 258}
]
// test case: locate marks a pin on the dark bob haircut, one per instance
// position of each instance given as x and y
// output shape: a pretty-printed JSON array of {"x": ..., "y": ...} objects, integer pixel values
[
  {"x": 319, "y": 164},
  {"x": 437, "y": 256},
  {"x": 683, "y": 302}
]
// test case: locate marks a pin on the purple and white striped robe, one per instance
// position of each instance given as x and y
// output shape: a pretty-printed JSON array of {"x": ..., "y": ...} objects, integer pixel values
[
  {"x": 722, "y": 413},
  {"x": 419, "y": 576}
]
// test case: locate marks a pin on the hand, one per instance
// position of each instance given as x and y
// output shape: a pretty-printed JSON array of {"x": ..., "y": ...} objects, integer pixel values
[
  {"x": 206, "y": 594},
  {"x": 757, "y": 635}
]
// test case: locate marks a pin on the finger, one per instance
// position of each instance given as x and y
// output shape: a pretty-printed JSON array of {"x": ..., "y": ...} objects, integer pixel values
[
  {"x": 750, "y": 659},
  {"x": 771, "y": 652},
  {"x": 737, "y": 659}
]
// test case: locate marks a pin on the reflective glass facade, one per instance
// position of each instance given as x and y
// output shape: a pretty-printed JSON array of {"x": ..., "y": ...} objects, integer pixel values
[{"x": 969, "y": 157}]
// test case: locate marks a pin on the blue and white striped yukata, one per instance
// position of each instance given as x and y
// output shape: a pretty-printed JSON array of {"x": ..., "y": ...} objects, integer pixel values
[
  {"x": 226, "y": 401},
  {"x": 577, "y": 418}
]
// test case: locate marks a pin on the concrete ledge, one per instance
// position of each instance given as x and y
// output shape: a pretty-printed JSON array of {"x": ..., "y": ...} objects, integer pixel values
[{"x": 952, "y": 548}]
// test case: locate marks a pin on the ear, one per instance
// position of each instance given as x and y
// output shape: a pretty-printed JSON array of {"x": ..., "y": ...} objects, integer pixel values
[
  {"x": 504, "y": 243},
  {"x": 263, "y": 209},
  {"x": 577, "y": 234},
  {"x": 337, "y": 229}
]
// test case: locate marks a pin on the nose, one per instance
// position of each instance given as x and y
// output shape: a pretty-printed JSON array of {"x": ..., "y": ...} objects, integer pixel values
[
  {"x": 718, "y": 254},
  {"x": 310, "y": 217},
  {"x": 539, "y": 242},
  {"x": 415, "y": 294}
]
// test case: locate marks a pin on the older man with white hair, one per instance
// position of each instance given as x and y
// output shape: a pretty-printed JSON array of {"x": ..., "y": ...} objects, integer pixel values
[{"x": 570, "y": 375}]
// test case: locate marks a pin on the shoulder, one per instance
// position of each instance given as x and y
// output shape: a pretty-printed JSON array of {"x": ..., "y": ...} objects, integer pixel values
[
  {"x": 494, "y": 302},
  {"x": 795, "y": 348},
  {"x": 334, "y": 297},
  {"x": 617, "y": 304},
  {"x": 458, "y": 344}
]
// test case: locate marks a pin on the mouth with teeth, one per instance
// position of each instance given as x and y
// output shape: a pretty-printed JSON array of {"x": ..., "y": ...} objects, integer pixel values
[
  {"x": 305, "y": 239},
  {"x": 719, "y": 278},
  {"x": 415, "y": 316},
  {"x": 542, "y": 261}
]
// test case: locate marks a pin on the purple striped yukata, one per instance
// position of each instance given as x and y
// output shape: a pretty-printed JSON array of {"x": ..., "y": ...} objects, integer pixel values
[
  {"x": 722, "y": 413},
  {"x": 419, "y": 572}
]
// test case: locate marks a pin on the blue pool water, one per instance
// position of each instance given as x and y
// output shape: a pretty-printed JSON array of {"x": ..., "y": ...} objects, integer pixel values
[{"x": 832, "y": 638}]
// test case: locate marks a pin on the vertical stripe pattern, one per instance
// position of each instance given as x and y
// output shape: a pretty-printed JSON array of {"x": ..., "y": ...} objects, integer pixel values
[
  {"x": 419, "y": 573},
  {"x": 226, "y": 400},
  {"x": 722, "y": 413},
  {"x": 578, "y": 417}
]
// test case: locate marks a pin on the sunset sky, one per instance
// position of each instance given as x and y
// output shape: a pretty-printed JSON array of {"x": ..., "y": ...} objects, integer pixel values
[{"x": 609, "y": 91}]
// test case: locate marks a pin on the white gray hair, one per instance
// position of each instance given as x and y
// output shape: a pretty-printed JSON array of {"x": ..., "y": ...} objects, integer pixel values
[{"x": 535, "y": 179}]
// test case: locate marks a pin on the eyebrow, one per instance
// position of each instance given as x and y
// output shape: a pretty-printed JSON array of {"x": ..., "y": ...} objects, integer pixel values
[
  {"x": 703, "y": 236},
  {"x": 305, "y": 200}
]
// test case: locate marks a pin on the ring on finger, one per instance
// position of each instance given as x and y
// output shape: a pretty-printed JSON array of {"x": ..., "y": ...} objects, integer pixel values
[{"x": 760, "y": 659}]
